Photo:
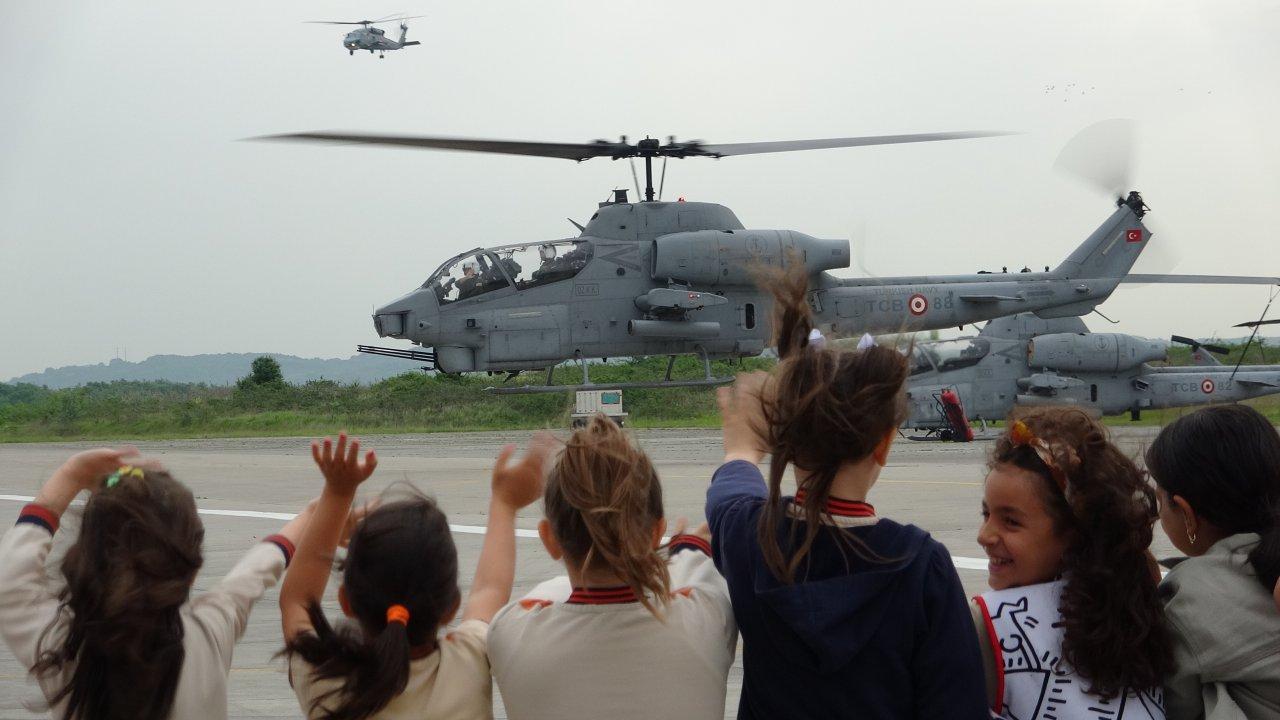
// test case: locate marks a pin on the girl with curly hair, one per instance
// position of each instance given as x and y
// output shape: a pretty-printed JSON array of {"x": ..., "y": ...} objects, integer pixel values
[{"x": 1073, "y": 620}]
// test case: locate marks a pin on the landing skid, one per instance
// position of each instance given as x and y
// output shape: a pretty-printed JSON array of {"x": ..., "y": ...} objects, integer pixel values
[{"x": 708, "y": 380}]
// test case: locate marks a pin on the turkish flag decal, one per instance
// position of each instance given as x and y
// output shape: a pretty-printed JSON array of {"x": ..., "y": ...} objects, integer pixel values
[{"x": 1134, "y": 235}]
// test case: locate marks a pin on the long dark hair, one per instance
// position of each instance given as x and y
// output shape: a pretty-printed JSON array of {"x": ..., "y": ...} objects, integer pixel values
[
  {"x": 602, "y": 500},
  {"x": 823, "y": 408},
  {"x": 1113, "y": 622},
  {"x": 128, "y": 575},
  {"x": 1225, "y": 461},
  {"x": 402, "y": 553}
]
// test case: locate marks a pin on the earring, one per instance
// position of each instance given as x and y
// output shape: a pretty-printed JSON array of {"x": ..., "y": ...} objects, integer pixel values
[{"x": 1191, "y": 536}]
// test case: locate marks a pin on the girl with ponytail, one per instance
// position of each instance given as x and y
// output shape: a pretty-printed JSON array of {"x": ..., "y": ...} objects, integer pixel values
[
  {"x": 631, "y": 631},
  {"x": 399, "y": 586},
  {"x": 124, "y": 638},
  {"x": 1217, "y": 474},
  {"x": 843, "y": 613}
]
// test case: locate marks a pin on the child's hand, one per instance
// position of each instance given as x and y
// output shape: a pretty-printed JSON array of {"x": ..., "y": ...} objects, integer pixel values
[
  {"x": 84, "y": 469},
  {"x": 341, "y": 466},
  {"x": 742, "y": 415},
  {"x": 516, "y": 485},
  {"x": 703, "y": 531}
]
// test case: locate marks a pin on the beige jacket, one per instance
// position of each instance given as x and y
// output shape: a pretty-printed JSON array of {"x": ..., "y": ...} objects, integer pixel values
[{"x": 212, "y": 622}]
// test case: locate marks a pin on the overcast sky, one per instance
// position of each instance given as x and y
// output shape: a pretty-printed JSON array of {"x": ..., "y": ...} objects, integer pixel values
[{"x": 133, "y": 220}]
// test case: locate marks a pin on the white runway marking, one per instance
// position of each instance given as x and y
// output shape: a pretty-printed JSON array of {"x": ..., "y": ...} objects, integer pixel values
[{"x": 964, "y": 563}]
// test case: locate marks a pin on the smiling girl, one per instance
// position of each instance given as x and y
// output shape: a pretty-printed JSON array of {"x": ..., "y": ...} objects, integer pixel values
[{"x": 1073, "y": 623}]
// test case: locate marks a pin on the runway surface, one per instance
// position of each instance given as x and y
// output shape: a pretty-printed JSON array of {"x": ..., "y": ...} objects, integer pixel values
[{"x": 246, "y": 488}]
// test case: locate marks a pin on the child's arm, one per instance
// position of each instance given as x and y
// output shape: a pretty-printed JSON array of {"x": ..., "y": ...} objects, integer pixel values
[
  {"x": 224, "y": 610},
  {"x": 305, "y": 582},
  {"x": 27, "y": 604},
  {"x": 514, "y": 487}
]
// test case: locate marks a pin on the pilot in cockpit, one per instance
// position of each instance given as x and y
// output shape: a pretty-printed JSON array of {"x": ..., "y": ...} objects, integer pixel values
[{"x": 470, "y": 283}]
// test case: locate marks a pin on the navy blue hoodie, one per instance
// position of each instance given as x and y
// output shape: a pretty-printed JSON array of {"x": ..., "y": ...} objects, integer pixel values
[{"x": 851, "y": 638}]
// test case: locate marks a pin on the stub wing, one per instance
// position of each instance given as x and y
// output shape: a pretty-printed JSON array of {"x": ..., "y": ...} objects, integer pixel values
[{"x": 1202, "y": 279}]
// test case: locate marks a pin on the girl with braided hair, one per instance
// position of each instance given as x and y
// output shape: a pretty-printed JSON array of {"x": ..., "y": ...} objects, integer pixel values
[{"x": 1072, "y": 622}]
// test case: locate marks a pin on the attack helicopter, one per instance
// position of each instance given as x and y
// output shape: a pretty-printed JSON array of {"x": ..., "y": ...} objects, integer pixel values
[
  {"x": 372, "y": 38},
  {"x": 1025, "y": 360},
  {"x": 656, "y": 278}
]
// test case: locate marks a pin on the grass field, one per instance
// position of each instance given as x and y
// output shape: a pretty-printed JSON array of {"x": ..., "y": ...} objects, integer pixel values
[{"x": 411, "y": 403}]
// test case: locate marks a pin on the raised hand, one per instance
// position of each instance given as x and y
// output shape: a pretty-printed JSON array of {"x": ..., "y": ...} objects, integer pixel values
[
  {"x": 85, "y": 468},
  {"x": 519, "y": 484},
  {"x": 341, "y": 465},
  {"x": 742, "y": 417},
  {"x": 682, "y": 528}
]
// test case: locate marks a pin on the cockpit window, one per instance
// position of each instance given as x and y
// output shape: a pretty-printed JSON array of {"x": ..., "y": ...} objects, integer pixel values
[
  {"x": 467, "y": 276},
  {"x": 543, "y": 263},
  {"x": 949, "y": 354}
]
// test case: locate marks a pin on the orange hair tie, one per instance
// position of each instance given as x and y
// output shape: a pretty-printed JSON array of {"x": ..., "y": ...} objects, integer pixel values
[{"x": 398, "y": 614}]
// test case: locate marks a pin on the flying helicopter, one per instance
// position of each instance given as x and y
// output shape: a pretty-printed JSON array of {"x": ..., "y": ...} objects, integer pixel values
[
  {"x": 673, "y": 278},
  {"x": 372, "y": 38},
  {"x": 1027, "y": 360}
]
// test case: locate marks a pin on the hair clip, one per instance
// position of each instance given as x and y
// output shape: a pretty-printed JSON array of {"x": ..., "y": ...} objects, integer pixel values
[
  {"x": 124, "y": 471},
  {"x": 1021, "y": 435}
]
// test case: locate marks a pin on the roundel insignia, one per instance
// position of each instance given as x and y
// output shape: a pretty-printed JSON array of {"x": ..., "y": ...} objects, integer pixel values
[
  {"x": 917, "y": 304},
  {"x": 1207, "y": 386}
]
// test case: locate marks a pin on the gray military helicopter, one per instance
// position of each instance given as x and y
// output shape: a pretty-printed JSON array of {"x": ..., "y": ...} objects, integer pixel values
[
  {"x": 1028, "y": 360},
  {"x": 674, "y": 278},
  {"x": 372, "y": 38}
]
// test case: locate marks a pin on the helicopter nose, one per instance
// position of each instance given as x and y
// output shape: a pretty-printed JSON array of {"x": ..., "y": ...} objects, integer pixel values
[{"x": 413, "y": 316}]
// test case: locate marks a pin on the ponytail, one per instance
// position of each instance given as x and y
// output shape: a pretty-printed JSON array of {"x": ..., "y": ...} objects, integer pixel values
[
  {"x": 401, "y": 581},
  {"x": 1225, "y": 461},
  {"x": 374, "y": 669},
  {"x": 603, "y": 500},
  {"x": 823, "y": 408}
]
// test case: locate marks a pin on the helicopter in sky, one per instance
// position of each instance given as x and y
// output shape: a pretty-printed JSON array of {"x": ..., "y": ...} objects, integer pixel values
[
  {"x": 1027, "y": 360},
  {"x": 673, "y": 278},
  {"x": 372, "y": 38}
]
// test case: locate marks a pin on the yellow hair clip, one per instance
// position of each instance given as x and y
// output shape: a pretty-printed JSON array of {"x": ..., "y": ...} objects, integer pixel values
[{"x": 125, "y": 471}]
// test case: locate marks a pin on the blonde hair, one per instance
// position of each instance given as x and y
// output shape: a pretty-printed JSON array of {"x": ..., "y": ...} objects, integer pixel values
[{"x": 602, "y": 500}]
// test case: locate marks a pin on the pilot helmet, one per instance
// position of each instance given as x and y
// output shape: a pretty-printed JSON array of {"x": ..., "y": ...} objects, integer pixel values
[
  {"x": 472, "y": 265},
  {"x": 547, "y": 252}
]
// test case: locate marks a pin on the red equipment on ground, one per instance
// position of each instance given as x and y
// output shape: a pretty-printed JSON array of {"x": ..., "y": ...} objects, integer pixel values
[{"x": 953, "y": 410}]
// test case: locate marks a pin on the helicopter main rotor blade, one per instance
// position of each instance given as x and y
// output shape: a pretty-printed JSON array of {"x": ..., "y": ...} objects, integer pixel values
[
  {"x": 1200, "y": 279},
  {"x": 1256, "y": 323},
  {"x": 757, "y": 148},
  {"x": 338, "y": 22},
  {"x": 618, "y": 150},
  {"x": 566, "y": 151}
]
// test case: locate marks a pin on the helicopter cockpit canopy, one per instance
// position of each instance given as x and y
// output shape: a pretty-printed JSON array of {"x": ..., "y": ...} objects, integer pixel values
[
  {"x": 468, "y": 275},
  {"x": 535, "y": 264},
  {"x": 946, "y": 355},
  {"x": 479, "y": 271}
]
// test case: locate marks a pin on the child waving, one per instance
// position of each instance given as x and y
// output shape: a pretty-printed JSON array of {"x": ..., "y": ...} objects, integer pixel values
[
  {"x": 124, "y": 638},
  {"x": 843, "y": 613},
  {"x": 629, "y": 633},
  {"x": 400, "y": 586}
]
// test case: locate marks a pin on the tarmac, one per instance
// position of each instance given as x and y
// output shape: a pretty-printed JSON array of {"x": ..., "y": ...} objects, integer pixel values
[{"x": 246, "y": 487}]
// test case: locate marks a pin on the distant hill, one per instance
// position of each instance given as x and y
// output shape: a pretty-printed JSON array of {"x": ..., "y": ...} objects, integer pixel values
[{"x": 222, "y": 369}]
